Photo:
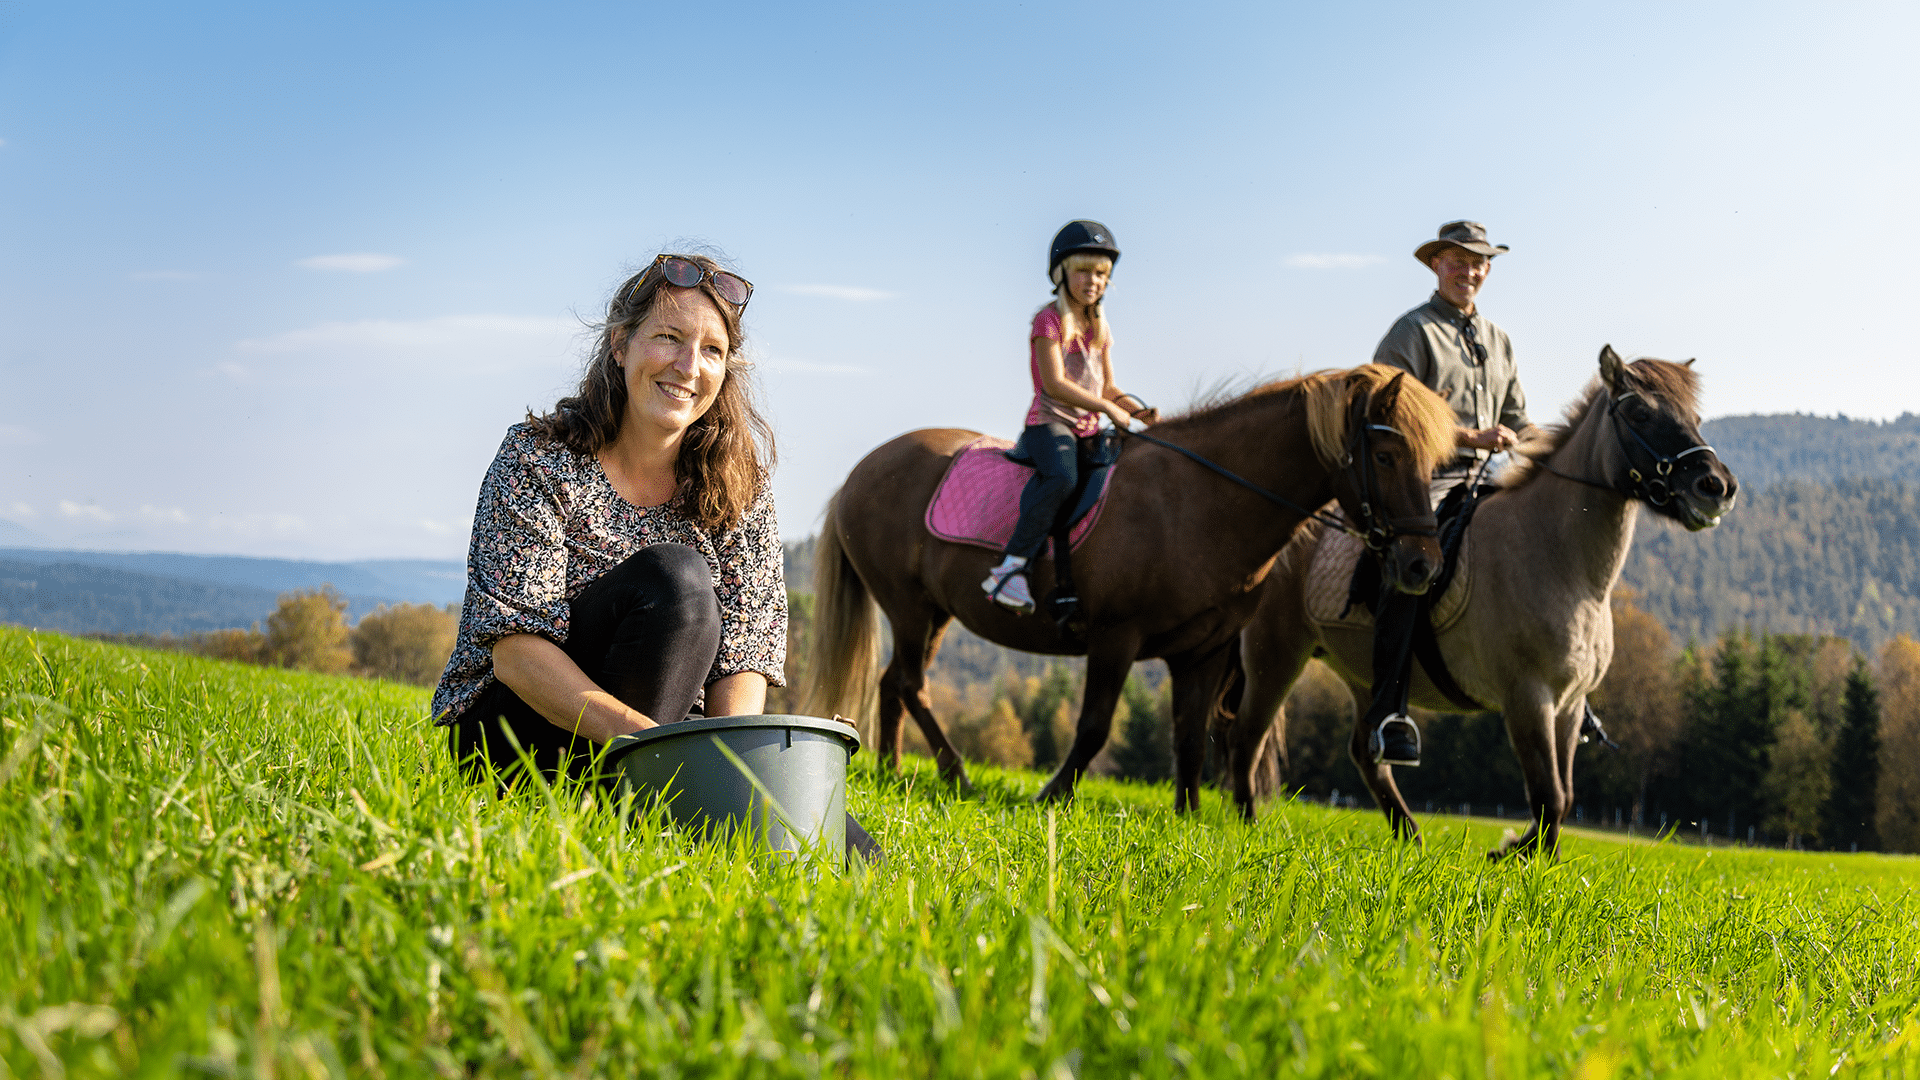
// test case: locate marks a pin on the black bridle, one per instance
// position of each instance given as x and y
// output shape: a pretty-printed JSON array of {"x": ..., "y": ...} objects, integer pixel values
[
  {"x": 1650, "y": 483},
  {"x": 1375, "y": 531}
]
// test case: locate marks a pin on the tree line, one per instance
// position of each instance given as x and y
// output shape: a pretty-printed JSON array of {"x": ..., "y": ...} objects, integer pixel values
[
  {"x": 308, "y": 630},
  {"x": 1795, "y": 739}
]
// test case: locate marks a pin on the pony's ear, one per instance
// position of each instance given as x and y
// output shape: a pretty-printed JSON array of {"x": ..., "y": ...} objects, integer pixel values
[
  {"x": 1690, "y": 361},
  {"x": 1613, "y": 370},
  {"x": 1388, "y": 398}
]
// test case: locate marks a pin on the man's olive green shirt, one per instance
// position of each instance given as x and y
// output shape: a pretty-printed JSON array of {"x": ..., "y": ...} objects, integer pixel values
[{"x": 1428, "y": 342}]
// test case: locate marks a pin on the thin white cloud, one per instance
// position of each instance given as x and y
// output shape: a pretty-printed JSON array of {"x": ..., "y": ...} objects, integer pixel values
[
  {"x": 166, "y": 275},
  {"x": 406, "y": 334},
  {"x": 455, "y": 527},
  {"x": 22, "y": 510},
  {"x": 170, "y": 515},
  {"x": 365, "y": 262},
  {"x": 15, "y": 435},
  {"x": 1333, "y": 261},
  {"x": 236, "y": 372},
  {"x": 89, "y": 511},
  {"x": 855, "y": 293}
]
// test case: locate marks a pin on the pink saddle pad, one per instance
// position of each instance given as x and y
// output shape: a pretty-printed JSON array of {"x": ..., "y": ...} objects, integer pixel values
[{"x": 978, "y": 501}]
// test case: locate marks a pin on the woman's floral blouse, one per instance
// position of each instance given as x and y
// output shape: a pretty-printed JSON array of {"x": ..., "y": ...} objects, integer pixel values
[{"x": 549, "y": 522}]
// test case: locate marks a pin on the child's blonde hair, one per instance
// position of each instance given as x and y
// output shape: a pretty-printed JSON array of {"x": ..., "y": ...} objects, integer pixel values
[{"x": 1101, "y": 337}]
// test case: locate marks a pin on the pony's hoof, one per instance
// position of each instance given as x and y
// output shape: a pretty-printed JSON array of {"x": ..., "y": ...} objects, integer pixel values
[{"x": 1054, "y": 792}]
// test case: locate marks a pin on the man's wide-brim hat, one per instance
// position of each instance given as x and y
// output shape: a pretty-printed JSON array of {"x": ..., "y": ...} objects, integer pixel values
[{"x": 1467, "y": 235}]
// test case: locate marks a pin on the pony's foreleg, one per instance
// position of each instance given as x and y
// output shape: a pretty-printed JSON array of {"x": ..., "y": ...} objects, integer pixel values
[
  {"x": 1107, "y": 664},
  {"x": 1257, "y": 741},
  {"x": 1534, "y": 730},
  {"x": 1379, "y": 777},
  {"x": 1197, "y": 686}
]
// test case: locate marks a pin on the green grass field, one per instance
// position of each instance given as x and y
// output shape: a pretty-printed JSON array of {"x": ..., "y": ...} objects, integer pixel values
[{"x": 227, "y": 870}]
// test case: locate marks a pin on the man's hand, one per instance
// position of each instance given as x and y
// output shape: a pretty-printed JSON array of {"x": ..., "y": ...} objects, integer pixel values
[{"x": 1496, "y": 438}]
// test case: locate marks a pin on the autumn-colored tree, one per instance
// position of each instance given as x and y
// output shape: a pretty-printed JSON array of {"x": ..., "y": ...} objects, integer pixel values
[
  {"x": 1897, "y": 817},
  {"x": 406, "y": 642},
  {"x": 309, "y": 630},
  {"x": 995, "y": 737},
  {"x": 243, "y": 646},
  {"x": 1798, "y": 778},
  {"x": 1639, "y": 698}
]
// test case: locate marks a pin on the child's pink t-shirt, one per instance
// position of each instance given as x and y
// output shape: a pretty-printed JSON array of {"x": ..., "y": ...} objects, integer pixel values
[{"x": 1083, "y": 370}]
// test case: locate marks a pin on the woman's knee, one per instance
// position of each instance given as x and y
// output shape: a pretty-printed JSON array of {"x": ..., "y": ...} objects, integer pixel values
[{"x": 678, "y": 584}]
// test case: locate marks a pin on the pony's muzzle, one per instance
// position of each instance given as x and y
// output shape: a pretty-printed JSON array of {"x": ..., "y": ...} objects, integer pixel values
[{"x": 1413, "y": 564}]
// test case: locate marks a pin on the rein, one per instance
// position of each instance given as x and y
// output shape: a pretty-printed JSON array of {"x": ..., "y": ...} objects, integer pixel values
[
  {"x": 1375, "y": 535},
  {"x": 1320, "y": 516}
]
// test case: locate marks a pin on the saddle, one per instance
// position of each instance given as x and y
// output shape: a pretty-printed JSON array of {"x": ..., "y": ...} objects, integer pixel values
[
  {"x": 1343, "y": 588},
  {"x": 978, "y": 500},
  {"x": 978, "y": 503}
]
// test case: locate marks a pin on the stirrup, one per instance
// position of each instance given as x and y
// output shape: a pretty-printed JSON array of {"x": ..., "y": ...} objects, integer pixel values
[{"x": 1395, "y": 742}]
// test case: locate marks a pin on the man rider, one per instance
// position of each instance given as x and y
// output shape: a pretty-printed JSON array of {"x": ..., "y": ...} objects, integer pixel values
[{"x": 1461, "y": 355}]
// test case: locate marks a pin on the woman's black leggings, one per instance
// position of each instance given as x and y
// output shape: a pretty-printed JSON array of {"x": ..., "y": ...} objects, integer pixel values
[{"x": 646, "y": 631}]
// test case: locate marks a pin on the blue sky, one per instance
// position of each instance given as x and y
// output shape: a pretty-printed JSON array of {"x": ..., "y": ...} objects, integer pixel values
[{"x": 274, "y": 278}]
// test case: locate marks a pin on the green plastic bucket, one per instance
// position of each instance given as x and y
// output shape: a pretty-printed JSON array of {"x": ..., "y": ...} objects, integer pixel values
[{"x": 800, "y": 763}]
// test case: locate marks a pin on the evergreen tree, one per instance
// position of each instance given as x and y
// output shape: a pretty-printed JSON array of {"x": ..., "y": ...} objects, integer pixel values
[
  {"x": 1731, "y": 729},
  {"x": 1040, "y": 717},
  {"x": 1856, "y": 765}
]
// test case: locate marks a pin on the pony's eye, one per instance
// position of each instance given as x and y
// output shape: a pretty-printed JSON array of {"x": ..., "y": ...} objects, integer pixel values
[{"x": 1382, "y": 457}]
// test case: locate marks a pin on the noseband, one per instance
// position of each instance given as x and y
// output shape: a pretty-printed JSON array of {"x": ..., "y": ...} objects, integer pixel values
[
  {"x": 1649, "y": 483},
  {"x": 1653, "y": 485}
]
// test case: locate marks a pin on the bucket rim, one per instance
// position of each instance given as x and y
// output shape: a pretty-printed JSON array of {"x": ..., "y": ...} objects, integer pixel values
[{"x": 625, "y": 744}]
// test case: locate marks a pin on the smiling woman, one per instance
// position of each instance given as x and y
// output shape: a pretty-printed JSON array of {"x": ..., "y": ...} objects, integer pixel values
[{"x": 626, "y": 562}]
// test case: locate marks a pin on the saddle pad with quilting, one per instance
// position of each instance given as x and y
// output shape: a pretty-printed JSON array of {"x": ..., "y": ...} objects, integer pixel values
[
  {"x": 1330, "y": 576},
  {"x": 978, "y": 501}
]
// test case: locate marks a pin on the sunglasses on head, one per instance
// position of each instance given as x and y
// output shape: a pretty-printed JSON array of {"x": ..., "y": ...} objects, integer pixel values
[{"x": 683, "y": 272}]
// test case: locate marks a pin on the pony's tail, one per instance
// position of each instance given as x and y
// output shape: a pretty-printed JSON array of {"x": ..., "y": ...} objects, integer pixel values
[{"x": 844, "y": 657}]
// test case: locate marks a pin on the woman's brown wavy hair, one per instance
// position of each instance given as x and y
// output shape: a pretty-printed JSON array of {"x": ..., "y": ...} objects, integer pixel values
[{"x": 726, "y": 456}]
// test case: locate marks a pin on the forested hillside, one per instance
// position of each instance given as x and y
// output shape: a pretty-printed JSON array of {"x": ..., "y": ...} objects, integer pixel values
[
  {"x": 1764, "y": 450},
  {"x": 1841, "y": 557}
]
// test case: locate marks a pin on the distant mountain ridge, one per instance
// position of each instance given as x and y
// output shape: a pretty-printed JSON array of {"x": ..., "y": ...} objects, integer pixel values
[
  {"x": 438, "y": 581},
  {"x": 100, "y": 592}
]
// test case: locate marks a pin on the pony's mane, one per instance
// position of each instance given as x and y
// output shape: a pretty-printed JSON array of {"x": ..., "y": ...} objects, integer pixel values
[
  {"x": 1420, "y": 415},
  {"x": 1662, "y": 379}
]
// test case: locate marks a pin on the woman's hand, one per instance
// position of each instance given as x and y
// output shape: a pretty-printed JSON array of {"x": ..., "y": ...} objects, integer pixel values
[{"x": 545, "y": 677}]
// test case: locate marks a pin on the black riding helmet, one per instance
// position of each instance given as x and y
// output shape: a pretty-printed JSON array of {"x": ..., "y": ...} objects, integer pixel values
[{"x": 1081, "y": 236}]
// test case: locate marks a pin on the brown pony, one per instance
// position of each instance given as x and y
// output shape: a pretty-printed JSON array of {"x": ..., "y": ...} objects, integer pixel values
[
  {"x": 1542, "y": 556},
  {"x": 1172, "y": 569}
]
